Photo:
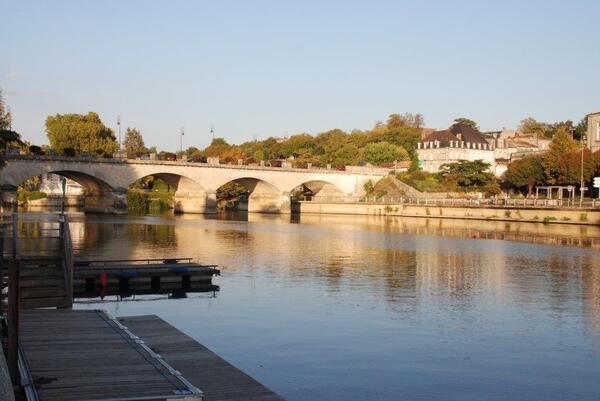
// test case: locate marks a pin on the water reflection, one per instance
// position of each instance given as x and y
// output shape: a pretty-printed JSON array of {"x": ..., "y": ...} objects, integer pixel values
[
  {"x": 393, "y": 303},
  {"x": 402, "y": 260}
]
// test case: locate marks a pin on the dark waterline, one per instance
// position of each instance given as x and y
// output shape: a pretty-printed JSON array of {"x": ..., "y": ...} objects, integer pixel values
[{"x": 368, "y": 308}]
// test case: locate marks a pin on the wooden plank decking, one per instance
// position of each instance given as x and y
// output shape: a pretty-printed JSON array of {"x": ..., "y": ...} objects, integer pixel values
[
  {"x": 85, "y": 355},
  {"x": 218, "y": 379}
]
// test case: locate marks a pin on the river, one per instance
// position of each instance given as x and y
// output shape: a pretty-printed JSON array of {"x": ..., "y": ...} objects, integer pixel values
[{"x": 375, "y": 308}]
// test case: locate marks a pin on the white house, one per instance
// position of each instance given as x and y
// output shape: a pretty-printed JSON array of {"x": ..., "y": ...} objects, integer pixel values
[{"x": 459, "y": 142}]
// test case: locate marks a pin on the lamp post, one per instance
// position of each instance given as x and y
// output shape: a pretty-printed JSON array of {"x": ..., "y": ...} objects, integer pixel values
[
  {"x": 181, "y": 141},
  {"x": 119, "y": 127},
  {"x": 581, "y": 187},
  {"x": 64, "y": 190}
]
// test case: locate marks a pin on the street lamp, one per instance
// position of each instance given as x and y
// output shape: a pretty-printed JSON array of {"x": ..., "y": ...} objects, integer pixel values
[
  {"x": 181, "y": 140},
  {"x": 64, "y": 190},
  {"x": 581, "y": 187},
  {"x": 119, "y": 127}
]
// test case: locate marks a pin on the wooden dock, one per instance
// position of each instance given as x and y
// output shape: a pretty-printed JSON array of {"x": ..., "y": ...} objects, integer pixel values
[
  {"x": 140, "y": 274},
  {"x": 217, "y": 378},
  {"x": 66, "y": 355},
  {"x": 88, "y": 356},
  {"x": 172, "y": 290}
]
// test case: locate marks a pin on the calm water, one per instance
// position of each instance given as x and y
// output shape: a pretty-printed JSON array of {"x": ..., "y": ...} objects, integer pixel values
[{"x": 366, "y": 308}]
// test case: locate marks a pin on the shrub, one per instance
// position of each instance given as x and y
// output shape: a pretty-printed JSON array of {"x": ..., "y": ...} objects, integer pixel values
[
  {"x": 158, "y": 206},
  {"x": 137, "y": 202},
  {"x": 23, "y": 196}
]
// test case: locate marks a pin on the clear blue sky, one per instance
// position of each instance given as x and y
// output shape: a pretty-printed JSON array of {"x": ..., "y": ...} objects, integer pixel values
[{"x": 267, "y": 68}]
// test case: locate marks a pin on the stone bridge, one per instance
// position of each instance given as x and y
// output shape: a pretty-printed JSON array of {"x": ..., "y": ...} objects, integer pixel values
[{"x": 106, "y": 181}]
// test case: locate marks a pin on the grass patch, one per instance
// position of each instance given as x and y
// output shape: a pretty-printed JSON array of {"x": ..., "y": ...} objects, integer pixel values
[
  {"x": 549, "y": 219},
  {"x": 422, "y": 181}
]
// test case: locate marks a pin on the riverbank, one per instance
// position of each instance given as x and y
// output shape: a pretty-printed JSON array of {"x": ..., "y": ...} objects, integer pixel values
[{"x": 498, "y": 213}]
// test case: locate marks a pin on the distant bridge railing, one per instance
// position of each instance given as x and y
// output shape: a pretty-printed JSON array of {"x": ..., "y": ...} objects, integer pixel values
[
  {"x": 512, "y": 203},
  {"x": 347, "y": 170}
]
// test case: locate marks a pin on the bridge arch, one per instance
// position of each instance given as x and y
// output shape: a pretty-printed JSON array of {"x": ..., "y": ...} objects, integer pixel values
[
  {"x": 263, "y": 196},
  {"x": 176, "y": 181},
  {"x": 99, "y": 195},
  {"x": 91, "y": 184},
  {"x": 190, "y": 196}
]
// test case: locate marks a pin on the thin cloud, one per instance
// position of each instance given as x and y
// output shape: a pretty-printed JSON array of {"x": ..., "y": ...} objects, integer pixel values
[
  {"x": 27, "y": 93},
  {"x": 14, "y": 75}
]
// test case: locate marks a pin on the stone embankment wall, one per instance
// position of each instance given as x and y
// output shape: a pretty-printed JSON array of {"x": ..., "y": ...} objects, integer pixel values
[
  {"x": 539, "y": 215},
  {"x": 56, "y": 201}
]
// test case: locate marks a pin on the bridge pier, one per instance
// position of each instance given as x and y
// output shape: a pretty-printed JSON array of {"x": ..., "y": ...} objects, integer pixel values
[
  {"x": 8, "y": 195},
  {"x": 195, "y": 202},
  {"x": 113, "y": 202}
]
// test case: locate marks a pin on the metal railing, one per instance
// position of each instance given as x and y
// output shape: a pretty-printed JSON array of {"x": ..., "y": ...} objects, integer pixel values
[
  {"x": 10, "y": 229},
  {"x": 509, "y": 203},
  {"x": 103, "y": 262},
  {"x": 66, "y": 250}
]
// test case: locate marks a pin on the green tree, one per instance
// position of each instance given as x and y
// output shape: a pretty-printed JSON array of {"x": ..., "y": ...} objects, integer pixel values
[
  {"x": 232, "y": 154},
  {"x": 5, "y": 116},
  {"x": 295, "y": 143},
  {"x": 581, "y": 128},
  {"x": 568, "y": 167},
  {"x": 469, "y": 175},
  {"x": 466, "y": 121},
  {"x": 217, "y": 148},
  {"x": 566, "y": 126},
  {"x": 230, "y": 193},
  {"x": 405, "y": 120},
  {"x": 561, "y": 144},
  {"x": 346, "y": 155},
  {"x": 526, "y": 173},
  {"x": 384, "y": 152},
  {"x": 8, "y": 138},
  {"x": 406, "y": 137},
  {"x": 259, "y": 155},
  {"x": 134, "y": 143},
  {"x": 81, "y": 133},
  {"x": 328, "y": 143},
  {"x": 533, "y": 127}
]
